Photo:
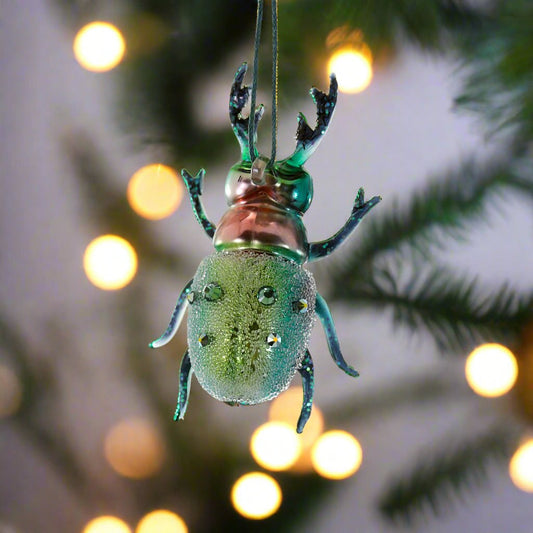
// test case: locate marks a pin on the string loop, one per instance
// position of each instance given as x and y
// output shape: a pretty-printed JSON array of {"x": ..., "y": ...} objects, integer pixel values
[{"x": 251, "y": 120}]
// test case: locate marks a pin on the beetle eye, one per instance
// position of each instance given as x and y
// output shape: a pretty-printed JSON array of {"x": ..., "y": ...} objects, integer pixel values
[
  {"x": 213, "y": 292},
  {"x": 267, "y": 295}
]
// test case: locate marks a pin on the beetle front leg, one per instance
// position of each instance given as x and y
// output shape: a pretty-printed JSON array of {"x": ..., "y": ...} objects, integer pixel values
[
  {"x": 323, "y": 312},
  {"x": 185, "y": 386},
  {"x": 194, "y": 186},
  {"x": 360, "y": 209},
  {"x": 308, "y": 381},
  {"x": 175, "y": 320}
]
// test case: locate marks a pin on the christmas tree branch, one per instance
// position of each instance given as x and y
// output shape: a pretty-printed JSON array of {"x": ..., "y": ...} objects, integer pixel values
[
  {"x": 445, "y": 208},
  {"x": 497, "y": 60},
  {"x": 451, "y": 309},
  {"x": 426, "y": 24},
  {"x": 445, "y": 473}
]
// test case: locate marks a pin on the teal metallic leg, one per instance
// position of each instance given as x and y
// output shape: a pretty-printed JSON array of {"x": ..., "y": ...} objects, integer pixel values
[
  {"x": 308, "y": 381},
  {"x": 321, "y": 249},
  {"x": 322, "y": 310},
  {"x": 194, "y": 186},
  {"x": 185, "y": 386},
  {"x": 175, "y": 320}
]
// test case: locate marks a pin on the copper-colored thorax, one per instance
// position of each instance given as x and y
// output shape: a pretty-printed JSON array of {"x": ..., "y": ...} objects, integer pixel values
[{"x": 261, "y": 224}]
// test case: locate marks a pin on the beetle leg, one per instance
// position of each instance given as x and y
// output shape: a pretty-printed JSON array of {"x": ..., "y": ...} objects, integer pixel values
[
  {"x": 175, "y": 320},
  {"x": 321, "y": 249},
  {"x": 323, "y": 312},
  {"x": 194, "y": 186},
  {"x": 308, "y": 380},
  {"x": 185, "y": 386}
]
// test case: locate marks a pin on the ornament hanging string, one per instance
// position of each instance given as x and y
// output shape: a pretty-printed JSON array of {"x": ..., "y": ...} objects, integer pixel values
[{"x": 251, "y": 121}]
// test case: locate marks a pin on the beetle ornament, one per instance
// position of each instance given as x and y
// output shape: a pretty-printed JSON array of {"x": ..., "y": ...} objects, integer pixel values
[{"x": 252, "y": 304}]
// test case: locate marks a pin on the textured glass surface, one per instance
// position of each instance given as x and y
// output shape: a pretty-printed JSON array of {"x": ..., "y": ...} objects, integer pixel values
[{"x": 241, "y": 363}]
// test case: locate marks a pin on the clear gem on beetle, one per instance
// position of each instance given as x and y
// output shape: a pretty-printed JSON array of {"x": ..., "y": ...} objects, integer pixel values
[
  {"x": 204, "y": 340},
  {"x": 213, "y": 291},
  {"x": 300, "y": 306},
  {"x": 267, "y": 295},
  {"x": 273, "y": 340},
  {"x": 191, "y": 296}
]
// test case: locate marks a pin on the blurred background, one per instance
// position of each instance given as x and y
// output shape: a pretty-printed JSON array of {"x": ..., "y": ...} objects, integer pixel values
[{"x": 432, "y": 295}]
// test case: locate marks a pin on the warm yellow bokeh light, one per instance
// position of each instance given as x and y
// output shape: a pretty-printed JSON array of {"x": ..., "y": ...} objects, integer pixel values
[
  {"x": 161, "y": 522},
  {"x": 134, "y": 449},
  {"x": 110, "y": 262},
  {"x": 286, "y": 408},
  {"x": 491, "y": 370},
  {"x": 256, "y": 495},
  {"x": 353, "y": 69},
  {"x": 155, "y": 191},
  {"x": 10, "y": 392},
  {"x": 99, "y": 46},
  {"x": 337, "y": 455},
  {"x": 521, "y": 467},
  {"x": 107, "y": 524},
  {"x": 275, "y": 445}
]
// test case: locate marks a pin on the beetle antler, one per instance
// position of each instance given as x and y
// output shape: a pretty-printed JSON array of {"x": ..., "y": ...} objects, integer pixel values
[
  {"x": 237, "y": 101},
  {"x": 307, "y": 139}
]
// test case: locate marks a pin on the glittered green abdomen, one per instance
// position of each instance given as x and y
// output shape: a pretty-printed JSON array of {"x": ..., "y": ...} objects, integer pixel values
[{"x": 249, "y": 324}]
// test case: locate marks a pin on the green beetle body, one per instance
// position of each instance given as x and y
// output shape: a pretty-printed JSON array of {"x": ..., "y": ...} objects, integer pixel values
[{"x": 249, "y": 324}]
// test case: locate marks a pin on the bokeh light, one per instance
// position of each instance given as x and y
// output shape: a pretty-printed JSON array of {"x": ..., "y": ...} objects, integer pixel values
[
  {"x": 110, "y": 262},
  {"x": 256, "y": 495},
  {"x": 134, "y": 448},
  {"x": 275, "y": 445},
  {"x": 161, "y": 521},
  {"x": 10, "y": 392},
  {"x": 99, "y": 46},
  {"x": 337, "y": 455},
  {"x": 521, "y": 467},
  {"x": 107, "y": 524},
  {"x": 155, "y": 191},
  {"x": 491, "y": 370},
  {"x": 353, "y": 69},
  {"x": 286, "y": 408}
]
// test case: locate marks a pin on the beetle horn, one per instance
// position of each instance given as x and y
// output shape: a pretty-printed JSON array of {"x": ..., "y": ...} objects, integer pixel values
[
  {"x": 238, "y": 99},
  {"x": 308, "y": 139}
]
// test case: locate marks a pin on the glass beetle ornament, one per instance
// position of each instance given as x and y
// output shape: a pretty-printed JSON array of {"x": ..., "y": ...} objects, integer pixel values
[{"x": 252, "y": 304}]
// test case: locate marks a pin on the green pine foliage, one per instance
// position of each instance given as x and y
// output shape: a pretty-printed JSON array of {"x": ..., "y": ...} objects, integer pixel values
[
  {"x": 443, "y": 476},
  {"x": 497, "y": 60},
  {"x": 451, "y": 308},
  {"x": 394, "y": 265}
]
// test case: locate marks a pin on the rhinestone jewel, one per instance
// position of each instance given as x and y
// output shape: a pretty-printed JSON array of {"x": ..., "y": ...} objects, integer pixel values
[
  {"x": 300, "y": 306},
  {"x": 273, "y": 340},
  {"x": 191, "y": 296},
  {"x": 267, "y": 295},
  {"x": 213, "y": 291},
  {"x": 204, "y": 340}
]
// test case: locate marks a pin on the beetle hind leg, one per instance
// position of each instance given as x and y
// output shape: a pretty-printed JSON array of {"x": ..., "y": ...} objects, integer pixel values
[
  {"x": 308, "y": 380},
  {"x": 184, "y": 387},
  {"x": 324, "y": 314}
]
